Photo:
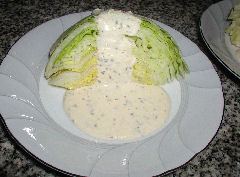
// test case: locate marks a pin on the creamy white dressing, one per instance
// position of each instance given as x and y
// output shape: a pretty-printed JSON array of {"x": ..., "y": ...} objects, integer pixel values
[
  {"x": 116, "y": 106},
  {"x": 114, "y": 49}
]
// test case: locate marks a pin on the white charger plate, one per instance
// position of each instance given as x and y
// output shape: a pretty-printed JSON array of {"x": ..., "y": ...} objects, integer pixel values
[
  {"x": 213, "y": 25},
  {"x": 38, "y": 124}
]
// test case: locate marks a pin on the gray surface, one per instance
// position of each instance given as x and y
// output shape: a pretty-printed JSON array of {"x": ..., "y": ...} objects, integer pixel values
[{"x": 220, "y": 158}]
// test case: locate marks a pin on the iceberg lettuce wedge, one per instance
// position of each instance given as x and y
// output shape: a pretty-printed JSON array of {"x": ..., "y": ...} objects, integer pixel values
[
  {"x": 234, "y": 29},
  {"x": 159, "y": 59},
  {"x": 73, "y": 55},
  {"x": 78, "y": 77}
]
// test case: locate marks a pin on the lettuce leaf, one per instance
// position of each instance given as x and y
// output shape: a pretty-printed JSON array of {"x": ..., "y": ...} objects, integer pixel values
[
  {"x": 76, "y": 78},
  {"x": 74, "y": 54},
  {"x": 234, "y": 29},
  {"x": 159, "y": 59}
]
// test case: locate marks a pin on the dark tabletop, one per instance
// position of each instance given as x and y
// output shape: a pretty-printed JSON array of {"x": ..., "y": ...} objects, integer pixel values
[{"x": 220, "y": 158}]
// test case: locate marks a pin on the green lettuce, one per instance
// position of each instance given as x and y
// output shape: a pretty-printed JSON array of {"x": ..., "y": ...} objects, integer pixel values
[
  {"x": 73, "y": 56},
  {"x": 159, "y": 59},
  {"x": 234, "y": 29}
]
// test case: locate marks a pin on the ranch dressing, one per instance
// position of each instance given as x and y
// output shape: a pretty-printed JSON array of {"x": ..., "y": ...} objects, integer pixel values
[{"x": 116, "y": 107}]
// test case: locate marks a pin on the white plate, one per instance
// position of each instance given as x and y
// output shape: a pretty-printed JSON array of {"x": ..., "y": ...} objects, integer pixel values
[
  {"x": 194, "y": 120},
  {"x": 213, "y": 25}
]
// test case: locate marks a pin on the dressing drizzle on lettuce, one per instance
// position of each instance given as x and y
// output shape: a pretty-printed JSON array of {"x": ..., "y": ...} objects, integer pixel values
[{"x": 73, "y": 57}]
